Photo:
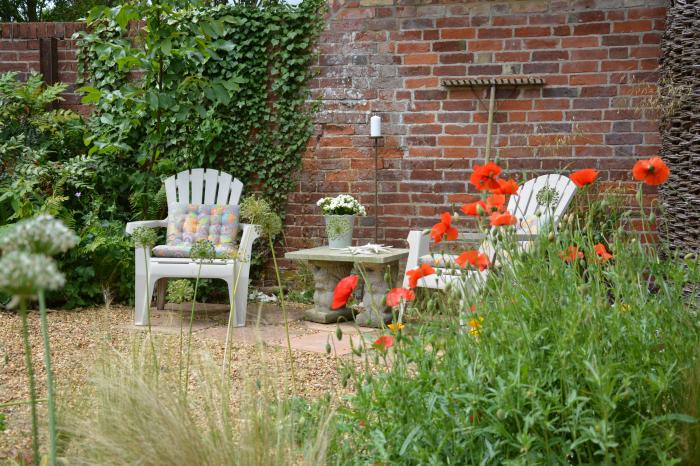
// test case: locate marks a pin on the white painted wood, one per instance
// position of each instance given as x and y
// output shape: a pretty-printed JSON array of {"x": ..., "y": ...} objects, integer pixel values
[
  {"x": 236, "y": 190},
  {"x": 211, "y": 182},
  {"x": 183, "y": 187},
  {"x": 197, "y": 182},
  {"x": 170, "y": 189},
  {"x": 224, "y": 188},
  {"x": 235, "y": 272},
  {"x": 522, "y": 206}
]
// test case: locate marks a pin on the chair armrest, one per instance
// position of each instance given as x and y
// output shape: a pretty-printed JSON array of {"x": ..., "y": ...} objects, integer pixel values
[
  {"x": 250, "y": 234},
  {"x": 132, "y": 226}
]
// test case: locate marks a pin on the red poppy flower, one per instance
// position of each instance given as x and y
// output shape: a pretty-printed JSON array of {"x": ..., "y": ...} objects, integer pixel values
[
  {"x": 502, "y": 219},
  {"x": 496, "y": 203},
  {"x": 393, "y": 298},
  {"x": 584, "y": 177},
  {"x": 472, "y": 209},
  {"x": 485, "y": 176},
  {"x": 652, "y": 171},
  {"x": 384, "y": 342},
  {"x": 444, "y": 228},
  {"x": 602, "y": 252},
  {"x": 475, "y": 258},
  {"x": 571, "y": 254},
  {"x": 416, "y": 274},
  {"x": 506, "y": 187},
  {"x": 343, "y": 290}
]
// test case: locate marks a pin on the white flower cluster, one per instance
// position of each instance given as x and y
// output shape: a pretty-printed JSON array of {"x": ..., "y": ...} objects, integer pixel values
[
  {"x": 27, "y": 246},
  {"x": 343, "y": 204},
  {"x": 24, "y": 273},
  {"x": 41, "y": 235}
]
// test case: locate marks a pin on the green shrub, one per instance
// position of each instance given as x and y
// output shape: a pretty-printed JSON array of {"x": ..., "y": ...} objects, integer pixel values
[
  {"x": 44, "y": 168},
  {"x": 583, "y": 362}
]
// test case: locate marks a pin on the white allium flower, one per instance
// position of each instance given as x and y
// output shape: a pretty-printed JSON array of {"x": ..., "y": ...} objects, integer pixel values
[
  {"x": 40, "y": 235},
  {"x": 23, "y": 274}
]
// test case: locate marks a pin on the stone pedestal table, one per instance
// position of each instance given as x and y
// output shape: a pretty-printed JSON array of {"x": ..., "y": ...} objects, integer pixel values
[{"x": 330, "y": 265}]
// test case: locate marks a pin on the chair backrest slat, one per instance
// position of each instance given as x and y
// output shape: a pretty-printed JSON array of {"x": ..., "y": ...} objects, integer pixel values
[
  {"x": 211, "y": 178},
  {"x": 236, "y": 190},
  {"x": 200, "y": 186},
  {"x": 525, "y": 203},
  {"x": 197, "y": 180},
  {"x": 224, "y": 188},
  {"x": 171, "y": 189},
  {"x": 183, "y": 187}
]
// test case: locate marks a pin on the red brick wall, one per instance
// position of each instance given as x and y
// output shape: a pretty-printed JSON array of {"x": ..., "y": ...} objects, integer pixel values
[
  {"x": 388, "y": 57},
  {"x": 598, "y": 58},
  {"x": 19, "y": 51}
]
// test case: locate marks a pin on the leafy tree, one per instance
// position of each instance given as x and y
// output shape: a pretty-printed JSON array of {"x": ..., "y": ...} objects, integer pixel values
[{"x": 43, "y": 10}]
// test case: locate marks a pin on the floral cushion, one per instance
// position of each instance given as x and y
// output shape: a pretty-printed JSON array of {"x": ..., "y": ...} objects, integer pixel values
[
  {"x": 189, "y": 223},
  {"x": 183, "y": 250}
]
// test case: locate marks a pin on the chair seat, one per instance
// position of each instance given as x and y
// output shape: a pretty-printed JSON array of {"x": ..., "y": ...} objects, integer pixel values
[
  {"x": 439, "y": 260},
  {"x": 183, "y": 251}
]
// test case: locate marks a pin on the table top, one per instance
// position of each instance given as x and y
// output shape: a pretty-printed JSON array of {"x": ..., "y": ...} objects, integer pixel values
[{"x": 324, "y": 253}]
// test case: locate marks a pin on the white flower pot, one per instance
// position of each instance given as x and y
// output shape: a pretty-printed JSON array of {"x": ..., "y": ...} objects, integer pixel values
[{"x": 339, "y": 230}]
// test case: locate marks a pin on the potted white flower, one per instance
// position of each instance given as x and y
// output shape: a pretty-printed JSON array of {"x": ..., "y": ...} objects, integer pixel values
[{"x": 340, "y": 213}]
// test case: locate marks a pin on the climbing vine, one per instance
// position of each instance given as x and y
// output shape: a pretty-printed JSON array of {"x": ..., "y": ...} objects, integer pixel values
[{"x": 189, "y": 85}]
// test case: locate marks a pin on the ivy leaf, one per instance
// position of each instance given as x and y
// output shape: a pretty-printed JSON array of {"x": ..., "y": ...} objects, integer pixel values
[
  {"x": 92, "y": 96},
  {"x": 166, "y": 45},
  {"x": 126, "y": 14},
  {"x": 152, "y": 99}
]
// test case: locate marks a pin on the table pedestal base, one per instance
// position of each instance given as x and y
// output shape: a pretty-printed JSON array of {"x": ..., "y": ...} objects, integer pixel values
[
  {"x": 326, "y": 276},
  {"x": 377, "y": 313}
]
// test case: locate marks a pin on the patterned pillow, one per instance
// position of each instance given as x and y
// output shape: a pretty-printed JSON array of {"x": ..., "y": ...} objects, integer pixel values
[{"x": 189, "y": 223}]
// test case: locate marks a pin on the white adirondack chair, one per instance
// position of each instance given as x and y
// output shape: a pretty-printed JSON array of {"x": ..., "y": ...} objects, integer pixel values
[
  {"x": 523, "y": 206},
  {"x": 197, "y": 186}
]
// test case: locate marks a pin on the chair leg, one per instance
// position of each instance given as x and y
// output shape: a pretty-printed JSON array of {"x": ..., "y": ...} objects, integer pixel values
[
  {"x": 161, "y": 289},
  {"x": 140, "y": 286},
  {"x": 141, "y": 309},
  {"x": 240, "y": 299}
]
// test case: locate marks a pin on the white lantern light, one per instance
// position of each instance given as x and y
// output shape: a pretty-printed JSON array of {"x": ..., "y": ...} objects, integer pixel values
[{"x": 375, "y": 127}]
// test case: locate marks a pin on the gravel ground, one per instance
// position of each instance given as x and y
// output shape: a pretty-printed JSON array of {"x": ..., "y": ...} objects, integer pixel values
[{"x": 79, "y": 337}]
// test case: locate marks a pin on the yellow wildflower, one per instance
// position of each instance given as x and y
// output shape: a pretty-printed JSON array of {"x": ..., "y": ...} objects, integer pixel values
[{"x": 397, "y": 327}]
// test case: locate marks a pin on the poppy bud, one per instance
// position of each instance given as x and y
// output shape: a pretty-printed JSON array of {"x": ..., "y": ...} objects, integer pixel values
[
  {"x": 480, "y": 210},
  {"x": 538, "y": 212},
  {"x": 328, "y": 348},
  {"x": 500, "y": 414},
  {"x": 638, "y": 196},
  {"x": 550, "y": 236},
  {"x": 339, "y": 333},
  {"x": 652, "y": 217}
]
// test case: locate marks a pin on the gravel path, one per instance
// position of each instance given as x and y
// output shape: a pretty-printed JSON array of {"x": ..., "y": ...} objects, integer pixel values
[{"x": 79, "y": 337}]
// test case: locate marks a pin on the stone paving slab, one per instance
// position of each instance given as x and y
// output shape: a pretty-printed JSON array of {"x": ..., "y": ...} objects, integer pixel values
[
  {"x": 264, "y": 324},
  {"x": 316, "y": 343}
]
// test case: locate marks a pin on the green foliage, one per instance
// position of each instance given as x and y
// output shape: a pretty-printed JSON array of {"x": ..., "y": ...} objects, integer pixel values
[
  {"x": 43, "y": 10},
  {"x": 180, "y": 291},
  {"x": 586, "y": 362},
  {"x": 44, "y": 168},
  {"x": 221, "y": 87}
]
